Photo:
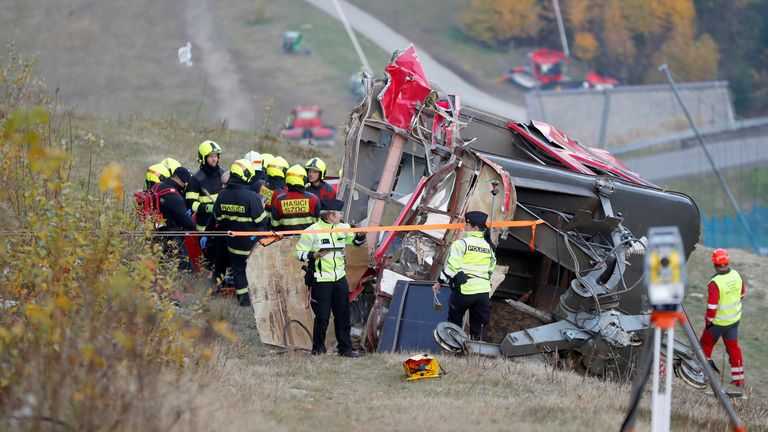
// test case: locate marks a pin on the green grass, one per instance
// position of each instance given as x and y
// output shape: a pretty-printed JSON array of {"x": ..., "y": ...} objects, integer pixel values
[
  {"x": 116, "y": 58},
  {"x": 319, "y": 78},
  {"x": 749, "y": 187},
  {"x": 119, "y": 59}
]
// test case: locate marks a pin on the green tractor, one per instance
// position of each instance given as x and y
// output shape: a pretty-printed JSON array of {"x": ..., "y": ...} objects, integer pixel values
[{"x": 292, "y": 43}]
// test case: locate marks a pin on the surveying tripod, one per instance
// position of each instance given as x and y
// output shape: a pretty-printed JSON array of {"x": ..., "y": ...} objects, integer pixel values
[
  {"x": 663, "y": 322},
  {"x": 665, "y": 278}
]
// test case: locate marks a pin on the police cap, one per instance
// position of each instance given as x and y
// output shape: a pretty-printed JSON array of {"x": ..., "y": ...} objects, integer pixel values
[{"x": 476, "y": 218}]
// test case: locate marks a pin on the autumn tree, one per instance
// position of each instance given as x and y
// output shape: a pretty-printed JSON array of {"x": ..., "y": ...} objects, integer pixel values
[
  {"x": 740, "y": 28},
  {"x": 629, "y": 38},
  {"x": 495, "y": 22}
]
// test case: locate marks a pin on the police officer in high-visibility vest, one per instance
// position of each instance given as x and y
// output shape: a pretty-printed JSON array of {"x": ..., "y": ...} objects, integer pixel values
[
  {"x": 295, "y": 209},
  {"x": 329, "y": 289},
  {"x": 206, "y": 183},
  {"x": 726, "y": 291},
  {"x": 470, "y": 263},
  {"x": 239, "y": 209}
]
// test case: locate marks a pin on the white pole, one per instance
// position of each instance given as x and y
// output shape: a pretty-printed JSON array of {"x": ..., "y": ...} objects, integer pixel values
[
  {"x": 560, "y": 26},
  {"x": 351, "y": 33},
  {"x": 655, "y": 412}
]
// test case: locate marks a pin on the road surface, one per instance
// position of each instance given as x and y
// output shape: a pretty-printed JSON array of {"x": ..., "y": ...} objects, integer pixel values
[{"x": 390, "y": 41}]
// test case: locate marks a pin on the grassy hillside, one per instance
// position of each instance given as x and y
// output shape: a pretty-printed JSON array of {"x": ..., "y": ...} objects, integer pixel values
[
  {"x": 119, "y": 58},
  {"x": 137, "y": 143}
]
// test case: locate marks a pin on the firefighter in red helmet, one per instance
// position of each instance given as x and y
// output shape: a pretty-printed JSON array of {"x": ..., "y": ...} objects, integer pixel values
[{"x": 726, "y": 291}]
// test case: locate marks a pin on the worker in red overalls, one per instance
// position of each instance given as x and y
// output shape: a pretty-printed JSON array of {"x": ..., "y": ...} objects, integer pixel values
[{"x": 726, "y": 291}]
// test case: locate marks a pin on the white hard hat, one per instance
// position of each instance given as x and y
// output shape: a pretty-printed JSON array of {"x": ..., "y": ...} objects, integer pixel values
[{"x": 256, "y": 160}]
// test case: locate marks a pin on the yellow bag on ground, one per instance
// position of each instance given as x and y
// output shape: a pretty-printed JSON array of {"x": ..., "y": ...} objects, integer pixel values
[{"x": 421, "y": 366}]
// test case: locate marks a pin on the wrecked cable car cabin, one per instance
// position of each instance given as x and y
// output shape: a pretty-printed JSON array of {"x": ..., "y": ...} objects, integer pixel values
[{"x": 569, "y": 282}]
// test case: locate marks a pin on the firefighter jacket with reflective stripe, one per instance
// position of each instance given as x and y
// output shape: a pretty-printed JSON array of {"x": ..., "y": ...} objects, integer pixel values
[
  {"x": 330, "y": 267},
  {"x": 268, "y": 189},
  {"x": 729, "y": 302},
  {"x": 239, "y": 209},
  {"x": 172, "y": 207},
  {"x": 473, "y": 256},
  {"x": 208, "y": 180},
  {"x": 294, "y": 210},
  {"x": 323, "y": 190}
]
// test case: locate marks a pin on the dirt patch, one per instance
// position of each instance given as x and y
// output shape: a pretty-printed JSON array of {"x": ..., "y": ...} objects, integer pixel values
[
  {"x": 505, "y": 319},
  {"x": 232, "y": 102}
]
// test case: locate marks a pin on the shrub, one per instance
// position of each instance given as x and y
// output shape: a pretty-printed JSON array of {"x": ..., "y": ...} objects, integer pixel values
[{"x": 87, "y": 322}]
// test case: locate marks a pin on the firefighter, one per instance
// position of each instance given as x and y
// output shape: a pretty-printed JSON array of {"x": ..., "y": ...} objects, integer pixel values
[
  {"x": 171, "y": 164},
  {"x": 215, "y": 250},
  {"x": 295, "y": 209},
  {"x": 239, "y": 209},
  {"x": 316, "y": 174},
  {"x": 258, "y": 164},
  {"x": 274, "y": 183},
  {"x": 160, "y": 171},
  {"x": 155, "y": 174},
  {"x": 726, "y": 291},
  {"x": 329, "y": 288},
  {"x": 470, "y": 263},
  {"x": 206, "y": 183},
  {"x": 175, "y": 216}
]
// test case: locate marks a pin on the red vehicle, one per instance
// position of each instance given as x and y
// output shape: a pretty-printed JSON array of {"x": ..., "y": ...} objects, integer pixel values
[
  {"x": 547, "y": 71},
  {"x": 306, "y": 125}
]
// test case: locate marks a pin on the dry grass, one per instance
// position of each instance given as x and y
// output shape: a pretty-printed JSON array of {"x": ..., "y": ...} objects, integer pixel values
[
  {"x": 256, "y": 387},
  {"x": 304, "y": 393}
]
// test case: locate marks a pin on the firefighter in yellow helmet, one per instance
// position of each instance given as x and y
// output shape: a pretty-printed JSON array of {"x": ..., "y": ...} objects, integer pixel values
[
  {"x": 295, "y": 209},
  {"x": 316, "y": 178},
  {"x": 155, "y": 174},
  {"x": 470, "y": 263},
  {"x": 171, "y": 164},
  {"x": 205, "y": 184},
  {"x": 239, "y": 209},
  {"x": 275, "y": 182}
]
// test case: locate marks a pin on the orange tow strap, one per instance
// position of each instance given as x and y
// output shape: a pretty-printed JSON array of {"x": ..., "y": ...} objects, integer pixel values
[{"x": 427, "y": 227}]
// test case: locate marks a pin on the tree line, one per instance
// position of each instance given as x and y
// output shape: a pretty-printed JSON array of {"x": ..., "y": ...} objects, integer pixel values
[{"x": 701, "y": 40}]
